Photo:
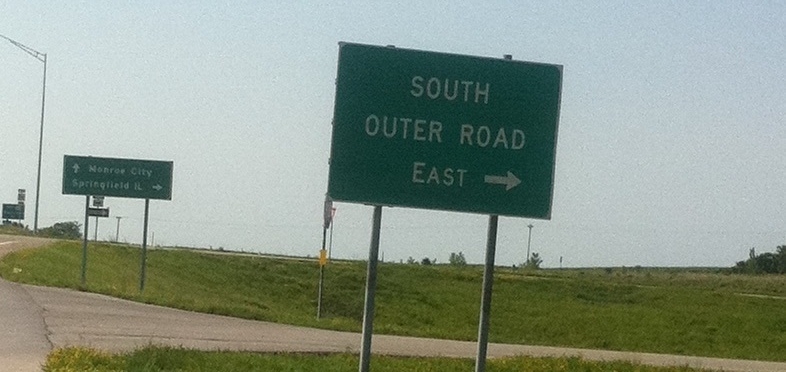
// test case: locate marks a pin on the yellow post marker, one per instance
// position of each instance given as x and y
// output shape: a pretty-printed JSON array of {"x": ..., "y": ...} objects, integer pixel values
[{"x": 322, "y": 257}]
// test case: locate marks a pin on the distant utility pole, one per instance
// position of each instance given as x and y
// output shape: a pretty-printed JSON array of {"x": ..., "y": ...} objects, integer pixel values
[
  {"x": 529, "y": 240},
  {"x": 117, "y": 234}
]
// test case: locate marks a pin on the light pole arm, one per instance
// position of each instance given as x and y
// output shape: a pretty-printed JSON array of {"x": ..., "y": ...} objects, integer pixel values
[{"x": 38, "y": 55}]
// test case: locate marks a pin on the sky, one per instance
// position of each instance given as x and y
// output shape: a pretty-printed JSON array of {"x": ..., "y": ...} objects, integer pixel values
[{"x": 671, "y": 132}]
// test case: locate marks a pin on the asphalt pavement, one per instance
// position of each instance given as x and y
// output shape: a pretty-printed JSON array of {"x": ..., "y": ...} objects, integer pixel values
[{"x": 33, "y": 320}]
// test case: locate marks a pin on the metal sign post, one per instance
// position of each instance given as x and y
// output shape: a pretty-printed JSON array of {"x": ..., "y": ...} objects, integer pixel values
[
  {"x": 98, "y": 202},
  {"x": 321, "y": 274},
  {"x": 327, "y": 222},
  {"x": 485, "y": 302},
  {"x": 330, "y": 241},
  {"x": 371, "y": 291},
  {"x": 142, "y": 270},
  {"x": 117, "y": 232},
  {"x": 84, "y": 243}
]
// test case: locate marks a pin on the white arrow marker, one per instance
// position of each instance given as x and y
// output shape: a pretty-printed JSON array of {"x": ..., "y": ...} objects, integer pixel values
[
  {"x": 158, "y": 187},
  {"x": 76, "y": 168},
  {"x": 510, "y": 180}
]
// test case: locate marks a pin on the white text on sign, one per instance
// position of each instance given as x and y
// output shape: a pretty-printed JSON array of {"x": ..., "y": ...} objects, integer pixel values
[
  {"x": 425, "y": 130},
  {"x": 429, "y": 130},
  {"x": 120, "y": 171},
  {"x": 432, "y": 175},
  {"x": 435, "y": 88}
]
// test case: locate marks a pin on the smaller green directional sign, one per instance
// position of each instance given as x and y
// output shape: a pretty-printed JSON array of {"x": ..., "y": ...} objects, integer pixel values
[
  {"x": 13, "y": 211},
  {"x": 125, "y": 178}
]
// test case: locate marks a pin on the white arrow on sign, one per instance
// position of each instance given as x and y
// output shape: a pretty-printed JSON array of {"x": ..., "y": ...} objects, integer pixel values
[
  {"x": 76, "y": 168},
  {"x": 510, "y": 180},
  {"x": 158, "y": 187}
]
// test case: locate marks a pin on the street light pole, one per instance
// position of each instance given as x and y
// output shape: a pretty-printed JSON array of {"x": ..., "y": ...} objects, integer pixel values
[
  {"x": 41, "y": 57},
  {"x": 529, "y": 240}
]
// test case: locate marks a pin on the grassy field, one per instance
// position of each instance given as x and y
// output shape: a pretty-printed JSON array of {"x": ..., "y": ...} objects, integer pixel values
[
  {"x": 168, "y": 359},
  {"x": 692, "y": 312},
  {"x": 14, "y": 230}
]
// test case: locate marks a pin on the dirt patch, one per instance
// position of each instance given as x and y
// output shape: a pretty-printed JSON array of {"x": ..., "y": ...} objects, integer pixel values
[
  {"x": 761, "y": 296},
  {"x": 10, "y": 243}
]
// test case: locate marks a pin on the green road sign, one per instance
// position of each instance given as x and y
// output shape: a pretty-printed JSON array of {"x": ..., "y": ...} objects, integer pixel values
[
  {"x": 125, "y": 178},
  {"x": 13, "y": 211},
  {"x": 443, "y": 131}
]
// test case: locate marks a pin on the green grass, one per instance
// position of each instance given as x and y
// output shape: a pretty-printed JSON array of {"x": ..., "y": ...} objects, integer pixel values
[
  {"x": 172, "y": 359},
  {"x": 690, "y": 312}
]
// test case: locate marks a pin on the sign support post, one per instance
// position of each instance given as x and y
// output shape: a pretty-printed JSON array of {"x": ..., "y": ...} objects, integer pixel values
[
  {"x": 84, "y": 243},
  {"x": 488, "y": 285},
  {"x": 485, "y": 302},
  {"x": 144, "y": 248},
  {"x": 371, "y": 291},
  {"x": 330, "y": 244},
  {"x": 328, "y": 220},
  {"x": 321, "y": 275}
]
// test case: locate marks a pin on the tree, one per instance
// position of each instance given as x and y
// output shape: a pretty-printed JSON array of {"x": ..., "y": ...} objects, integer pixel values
[
  {"x": 534, "y": 261},
  {"x": 780, "y": 254},
  {"x": 457, "y": 259},
  {"x": 766, "y": 263},
  {"x": 62, "y": 230}
]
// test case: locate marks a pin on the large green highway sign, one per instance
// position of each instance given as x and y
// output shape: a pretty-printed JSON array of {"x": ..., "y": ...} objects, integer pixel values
[
  {"x": 125, "y": 178},
  {"x": 443, "y": 131}
]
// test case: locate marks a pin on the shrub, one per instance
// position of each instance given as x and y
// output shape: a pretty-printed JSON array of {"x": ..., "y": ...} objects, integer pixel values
[
  {"x": 534, "y": 261},
  {"x": 457, "y": 259},
  {"x": 62, "y": 230},
  {"x": 766, "y": 263}
]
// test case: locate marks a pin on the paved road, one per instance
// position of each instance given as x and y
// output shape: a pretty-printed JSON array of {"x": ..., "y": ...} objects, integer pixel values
[
  {"x": 23, "y": 334},
  {"x": 35, "y": 319}
]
